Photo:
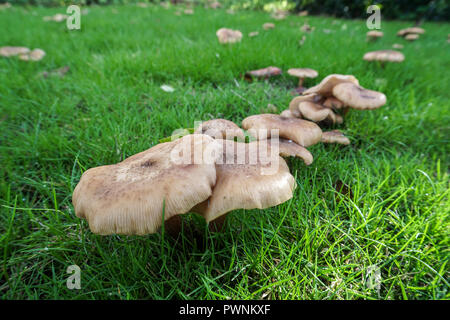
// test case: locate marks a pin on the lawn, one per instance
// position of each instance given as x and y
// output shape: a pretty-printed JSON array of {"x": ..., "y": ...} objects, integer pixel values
[{"x": 389, "y": 223}]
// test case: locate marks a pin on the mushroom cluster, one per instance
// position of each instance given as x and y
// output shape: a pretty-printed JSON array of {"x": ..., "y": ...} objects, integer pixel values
[
  {"x": 334, "y": 93},
  {"x": 410, "y": 34},
  {"x": 23, "y": 53},
  {"x": 228, "y": 35}
]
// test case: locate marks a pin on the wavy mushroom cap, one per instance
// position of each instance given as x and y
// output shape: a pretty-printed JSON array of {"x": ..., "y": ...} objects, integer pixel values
[
  {"x": 384, "y": 55},
  {"x": 357, "y": 97},
  {"x": 293, "y": 105},
  {"x": 325, "y": 87},
  {"x": 335, "y": 136},
  {"x": 412, "y": 30},
  {"x": 316, "y": 112},
  {"x": 302, "y": 132},
  {"x": 34, "y": 55},
  {"x": 228, "y": 35},
  {"x": 265, "y": 72},
  {"x": 289, "y": 148},
  {"x": 303, "y": 72},
  {"x": 129, "y": 197},
  {"x": 221, "y": 129},
  {"x": 249, "y": 176},
  {"x": 333, "y": 103}
]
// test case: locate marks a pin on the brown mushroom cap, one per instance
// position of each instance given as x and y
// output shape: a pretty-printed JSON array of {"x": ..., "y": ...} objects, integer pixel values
[
  {"x": 129, "y": 197},
  {"x": 357, "y": 97},
  {"x": 384, "y": 55},
  {"x": 289, "y": 148},
  {"x": 287, "y": 114},
  {"x": 268, "y": 25},
  {"x": 412, "y": 37},
  {"x": 255, "y": 182},
  {"x": 303, "y": 72},
  {"x": 412, "y": 30},
  {"x": 13, "y": 51},
  {"x": 34, "y": 55},
  {"x": 325, "y": 87},
  {"x": 293, "y": 105},
  {"x": 374, "y": 34},
  {"x": 221, "y": 129},
  {"x": 264, "y": 73},
  {"x": 335, "y": 136},
  {"x": 333, "y": 103},
  {"x": 303, "y": 132},
  {"x": 228, "y": 35},
  {"x": 315, "y": 112}
]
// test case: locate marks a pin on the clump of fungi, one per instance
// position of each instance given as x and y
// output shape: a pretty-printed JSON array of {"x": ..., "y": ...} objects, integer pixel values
[
  {"x": 228, "y": 35},
  {"x": 410, "y": 34},
  {"x": 334, "y": 93},
  {"x": 23, "y": 53},
  {"x": 383, "y": 56}
]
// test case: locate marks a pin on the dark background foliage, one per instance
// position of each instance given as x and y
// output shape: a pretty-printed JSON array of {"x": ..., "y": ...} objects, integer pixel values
[{"x": 432, "y": 10}]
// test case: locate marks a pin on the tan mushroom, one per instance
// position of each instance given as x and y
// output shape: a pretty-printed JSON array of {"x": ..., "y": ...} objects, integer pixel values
[
  {"x": 268, "y": 25},
  {"x": 335, "y": 136},
  {"x": 374, "y": 35},
  {"x": 221, "y": 129},
  {"x": 34, "y": 55},
  {"x": 302, "y": 132},
  {"x": 325, "y": 87},
  {"x": 333, "y": 103},
  {"x": 287, "y": 114},
  {"x": 412, "y": 37},
  {"x": 258, "y": 181},
  {"x": 397, "y": 46},
  {"x": 307, "y": 28},
  {"x": 228, "y": 35},
  {"x": 317, "y": 113},
  {"x": 301, "y": 74},
  {"x": 253, "y": 34},
  {"x": 13, "y": 51},
  {"x": 384, "y": 56},
  {"x": 131, "y": 196},
  {"x": 289, "y": 148},
  {"x": 57, "y": 17},
  {"x": 293, "y": 105},
  {"x": 357, "y": 97},
  {"x": 264, "y": 73},
  {"x": 412, "y": 30}
]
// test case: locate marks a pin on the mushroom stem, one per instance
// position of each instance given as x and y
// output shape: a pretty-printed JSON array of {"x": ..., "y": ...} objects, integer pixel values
[
  {"x": 218, "y": 224},
  {"x": 300, "y": 82}
]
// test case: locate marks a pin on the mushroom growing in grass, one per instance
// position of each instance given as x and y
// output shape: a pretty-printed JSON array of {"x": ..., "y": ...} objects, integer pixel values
[
  {"x": 136, "y": 195},
  {"x": 221, "y": 129},
  {"x": 357, "y": 97},
  {"x": 412, "y": 30},
  {"x": 411, "y": 37},
  {"x": 228, "y": 35},
  {"x": 264, "y": 73},
  {"x": 374, "y": 35},
  {"x": 301, "y": 74},
  {"x": 384, "y": 56},
  {"x": 268, "y": 25},
  {"x": 335, "y": 136},
  {"x": 34, "y": 55},
  {"x": 13, "y": 51},
  {"x": 260, "y": 180}
]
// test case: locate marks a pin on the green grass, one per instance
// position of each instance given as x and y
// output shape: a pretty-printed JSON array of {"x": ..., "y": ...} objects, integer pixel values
[{"x": 319, "y": 245}]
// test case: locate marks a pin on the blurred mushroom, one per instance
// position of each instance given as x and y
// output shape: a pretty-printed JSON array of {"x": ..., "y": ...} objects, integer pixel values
[
  {"x": 264, "y": 73},
  {"x": 374, "y": 35},
  {"x": 397, "y": 46},
  {"x": 287, "y": 114},
  {"x": 306, "y": 28},
  {"x": 60, "y": 72},
  {"x": 228, "y": 35},
  {"x": 221, "y": 129},
  {"x": 57, "y": 17},
  {"x": 253, "y": 34},
  {"x": 13, "y": 51},
  {"x": 268, "y": 25},
  {"x": 303, "y": 13},
  {"x": 34, "y": 55},
  {"x": 130, "y": 197},
  {"x": 279, "y": 14},
  {"x": 247, "y": 184},
  {"x": 335, "y": 136},
  {"x": 302, "y": 132},
  {"x": 411, "y": 37},
  {"x": 412, "y": 30},
  {"x": 384, "y": 56},
  {"x": 357, "y": 97},
  {"x": 301, "y": 74},
  {"x": 333, "y": 103}
]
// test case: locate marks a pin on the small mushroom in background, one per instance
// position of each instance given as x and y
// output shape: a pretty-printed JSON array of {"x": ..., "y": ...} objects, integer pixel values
[
  {"x": 221, "y": 129},
  {"x": 130, "y": 197},
  {"x": 258, "y": 181},
  {"x": 306, "y": 28},
  {"x": 188, "y": 11},
  {"x": 215, "y": 5},
  {"x": 253, "y": 34},
  {"x": 374, "y": 35},
  {"x": 264, "y": 73},
  {"x": 268, "y": 25},
  {"x": 335, "y": 136},
  {"x": 302, "y": 132},
  {"x": 34, "y": 55},
  {"x": 397, "y": 46},
  {"x": 411, "y": 37},
  {"x": 303, "y": 13},
  {"x": 228, "y": 35},
  {"x": 301, "y": 74},
  {"x": 13, "y": 51},
  {"x": 412, "y": 30},
  {"x": 384, "y": 56},
  {"x": 279, "y": 14},
  {"x": 57, "y": 17}
]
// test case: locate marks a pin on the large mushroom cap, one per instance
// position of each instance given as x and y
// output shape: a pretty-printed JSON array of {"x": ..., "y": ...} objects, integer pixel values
[
  {"x": 249, "y": 176},
  {"x": 293, "y": 105},
  {"x": 357, "y": 97},
  {"x": 228, "y": 35},
  {"x": 303, "y": 132},
  {"x": 335, "y": 136},
  {"x": 303, "y": 72},
  {"x": 384, "y": 55},
  {"x": 325, "y": 87},
  {"x": 129, "y": 197},
  {"x": 221, "y": 129},
  {"x": 412, "y": 30},
  {"x": 13, "y": 51}
]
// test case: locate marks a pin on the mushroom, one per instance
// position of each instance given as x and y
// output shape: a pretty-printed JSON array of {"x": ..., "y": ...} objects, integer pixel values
[
  {"x": 221, "y": 129},
  {"x": 306, "y": 28},
  {"x": 279, "y": 14},
  {"x": 268, "y": 25},
  {"x": 374, "y": 35},
  {"x": 228, "y": 35},
  {"x": 57, "y": 17},
  {"x": 384, "y": 56},
  {"x": 397, "y": 46},
  {"x": 253, "y": 34},
  {"x": 60, "y": 72},
  {"x": 301, "y": 74},
  {"x": 289, "y": 148},
  {"x": 335, "y": 136},
  {"x": 317, "y": 113},
  {"x": 131, "y": 197},
  {"x": 412, "y": 37},
  {"x": 287, "y": 114},
  {"x": 333, "y": 103},
  {"x": 357, "y": 97},
  {"x": 34, "y": 55},
  {"x": 302, "y": 132},
  {"x": 325, "y": 87},
  {"x": 257, "y": 181},
  {"x": 293, "y": 105},
  {"x": 13, "y": 51},
  {"x": 264, "y": 73},
  {"x": 412, "y": 30}
]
